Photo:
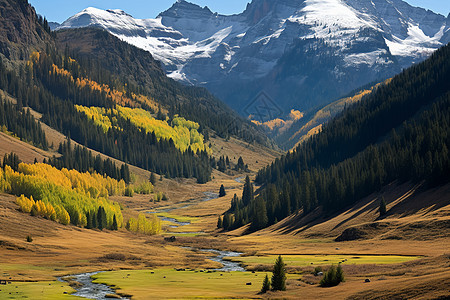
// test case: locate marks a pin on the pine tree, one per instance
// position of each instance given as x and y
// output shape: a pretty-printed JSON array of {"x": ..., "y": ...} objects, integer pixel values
[
  {"x": 259, "y": 220},
  {"x": 265, "y": 285},
  {"x": 382, "y": 208},
  {"x": 102, "y": 221},
  {"x": 332, "y": 277},
  {"x": 222, "y": 192},
  {"x": 89, "y": 220},
  {"x": 247, "y": 193},
  {"x": 125, "y": 173},
  {"x": 227, "y": 222},
  {"x": 279, "y": 275},
  {"x": 114, "y": 224},
  {"x": 240, "y": 165},
  {"x": 152, "y": 178},
  {"x": 339, "y": 274},
  {"x": 94, "y": 219}
]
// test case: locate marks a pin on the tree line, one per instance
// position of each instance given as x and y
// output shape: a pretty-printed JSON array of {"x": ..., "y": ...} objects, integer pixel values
[
  {"x": 22, "y": 123},
  {"x": 81, "y": 159}
]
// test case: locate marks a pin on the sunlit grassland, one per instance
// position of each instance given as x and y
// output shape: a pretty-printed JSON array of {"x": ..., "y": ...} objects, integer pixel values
[
  {"x": 169, "y": 283},
  {"x": 183, "y": 219},
  {"x": 45, "y": 290},
  {"x": 307, "y": 260}
]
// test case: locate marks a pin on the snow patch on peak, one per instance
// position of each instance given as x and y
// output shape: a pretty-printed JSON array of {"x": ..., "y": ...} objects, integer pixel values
[
  {"x": 416, "y": 44},
  {"x": 118, "y": 12}
]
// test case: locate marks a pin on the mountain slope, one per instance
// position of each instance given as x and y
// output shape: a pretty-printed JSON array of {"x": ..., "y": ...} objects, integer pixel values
[
  {"x": 400, "y": 132},
  {"x": 302, "y": 53},
  {"x": 140, "y": 70},
  {"x": 21, "y": 31}
]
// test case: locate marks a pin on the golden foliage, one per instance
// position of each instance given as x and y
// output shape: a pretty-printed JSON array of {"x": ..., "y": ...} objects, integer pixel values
[
  {"x": 184, "y": 133},
  {"x": 63, "y": 195},
  {"x": 25, "y": 204},
  {"x": 144, "y": 225}
]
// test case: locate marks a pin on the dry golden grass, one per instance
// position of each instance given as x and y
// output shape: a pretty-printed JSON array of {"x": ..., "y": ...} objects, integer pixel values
[{"x": 26, "y": 152}]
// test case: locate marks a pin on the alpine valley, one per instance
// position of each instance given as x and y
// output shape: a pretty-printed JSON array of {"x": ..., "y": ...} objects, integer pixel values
[{"x": 298, "y": 150}]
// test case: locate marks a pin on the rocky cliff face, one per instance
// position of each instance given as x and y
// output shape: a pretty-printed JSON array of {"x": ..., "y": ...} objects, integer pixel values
[
  {"x": 302, "y": 53},
  {"x": 20, "y": 31}
]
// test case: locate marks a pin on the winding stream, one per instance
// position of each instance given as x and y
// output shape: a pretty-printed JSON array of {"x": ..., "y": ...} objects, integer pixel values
[
  {"x": 89, "y": 289},
  {"x": 228, "y": 266}
]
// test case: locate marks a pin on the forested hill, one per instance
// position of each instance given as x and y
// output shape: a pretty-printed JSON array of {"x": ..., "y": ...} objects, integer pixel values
[
  {"x": 399, "y": 132},
  {"x": 101, "y": 50},
  {"x": 110, "y": 97}
]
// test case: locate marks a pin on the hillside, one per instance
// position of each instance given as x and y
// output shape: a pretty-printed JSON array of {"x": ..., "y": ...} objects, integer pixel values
[
  {"x": 138, "y": 68},
  {"x": 399, "y": 132}
]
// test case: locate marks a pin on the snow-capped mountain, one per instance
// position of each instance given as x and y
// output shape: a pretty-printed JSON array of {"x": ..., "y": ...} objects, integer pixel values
[{"x": 302, "y": 53}]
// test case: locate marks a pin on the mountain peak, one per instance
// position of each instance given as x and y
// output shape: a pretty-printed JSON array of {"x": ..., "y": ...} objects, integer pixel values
[{"x": 183, "y": 8}]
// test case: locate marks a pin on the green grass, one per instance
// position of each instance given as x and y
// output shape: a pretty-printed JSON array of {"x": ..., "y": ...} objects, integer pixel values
[
  {"x": 45, "y": 290},
  {"x": 18, "y": 267},
  {"x": 183, "y": 219},
  {"x": 169, "y": 283},
  {"x": 307, "y": 260}
]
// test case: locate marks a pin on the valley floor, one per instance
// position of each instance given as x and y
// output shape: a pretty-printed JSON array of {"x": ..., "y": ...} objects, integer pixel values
[{"x": 404, "y": 254}]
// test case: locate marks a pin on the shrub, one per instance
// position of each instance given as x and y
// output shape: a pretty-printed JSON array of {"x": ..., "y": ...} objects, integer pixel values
[
  {"x": 332, "y": 277},
  {"x": 29, "y": 239},
  {"x": 129, "y": 191},
  {"x": 222, "y": 192}
]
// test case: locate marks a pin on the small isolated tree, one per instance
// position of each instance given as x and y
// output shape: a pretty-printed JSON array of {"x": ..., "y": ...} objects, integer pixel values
[
  {"x": 332, "y": 277},
  {"x": 152, "y": 178},
  {"x": 265, "y": 285},
  {"x": 382, "y": 207},
  {"x": 29, "y": 239},
  {"x": 279, "y": 275},
  {"x": 222, "y": 192}
]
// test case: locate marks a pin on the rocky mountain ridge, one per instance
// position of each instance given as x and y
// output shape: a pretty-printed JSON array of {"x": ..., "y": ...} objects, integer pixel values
[{"x": 303, "y": 54}]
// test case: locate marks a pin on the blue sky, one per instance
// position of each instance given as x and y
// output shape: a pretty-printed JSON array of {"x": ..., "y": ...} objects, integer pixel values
[{"x": 57, "y": 10}]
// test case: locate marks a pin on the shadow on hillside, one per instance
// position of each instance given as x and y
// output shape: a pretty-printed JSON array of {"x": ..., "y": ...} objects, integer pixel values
[{"x": 421, "y": 201}]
